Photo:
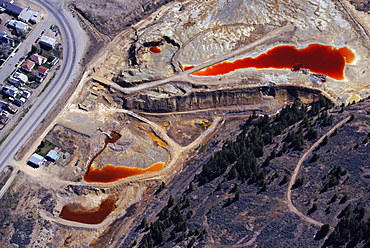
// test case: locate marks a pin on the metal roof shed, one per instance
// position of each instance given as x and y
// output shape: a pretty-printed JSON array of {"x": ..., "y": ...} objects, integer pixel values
[
  {"x": 36, "y": 160},
  {"x": 52, "y": 155}
]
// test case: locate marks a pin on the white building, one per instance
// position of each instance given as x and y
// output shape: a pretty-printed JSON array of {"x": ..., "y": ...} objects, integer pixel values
[
  {"x": 29, "y": 15},
  {"x": 18, "y": 79},
  {"x": 18, "y": 25},
  {"x": 36, "y": 160},
  {"x": 48, "y": 41}
]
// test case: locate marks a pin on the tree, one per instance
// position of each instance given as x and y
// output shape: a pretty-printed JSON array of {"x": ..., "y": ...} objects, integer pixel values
[
  {"x": 191, "y": 187},
  {"x": 35, "y": 48},
  {"x": 237, "y": 197},
  {"x": 298, "y": 182},
  {"x": 170, "y": 201},
  {"x": 328, "y": 210},
  {"x": 344, "y": 199},
  {"x": 161, "y": 187},
  {"x": 144, "y": 223},
  {"x": 314, "y": 158},
  {"x": 284, "y": 181},
  {"x": 235, "y": 188},
  {"x": 324, "y": 142},
  {"x": 312, "y": 209},
  {"x": 273, "y": 154},
  {"x": 322, "y": 232},
  {"x": 219, "y": 187},
  {"x": 333, "y": 199},
  {"x": 187, "y": 202},
  {"x": 266, "y": 162}
]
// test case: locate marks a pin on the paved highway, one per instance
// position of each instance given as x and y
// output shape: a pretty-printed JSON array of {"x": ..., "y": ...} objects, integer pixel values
[{"x": 74, "y": 42}]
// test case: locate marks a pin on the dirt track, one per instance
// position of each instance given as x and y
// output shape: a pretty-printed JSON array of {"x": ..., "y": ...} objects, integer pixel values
[{"x": 297, "y": 169}]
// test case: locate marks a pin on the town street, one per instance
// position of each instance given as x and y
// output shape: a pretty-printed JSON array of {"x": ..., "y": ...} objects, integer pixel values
[{"x": 74, "y": 42}]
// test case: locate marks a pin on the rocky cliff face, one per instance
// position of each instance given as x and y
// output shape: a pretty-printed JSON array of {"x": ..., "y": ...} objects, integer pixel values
[{"x": 208, "y": 99}]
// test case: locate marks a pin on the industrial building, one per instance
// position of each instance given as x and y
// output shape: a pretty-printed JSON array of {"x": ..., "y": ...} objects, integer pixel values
[{"x": 36, "y": 160}]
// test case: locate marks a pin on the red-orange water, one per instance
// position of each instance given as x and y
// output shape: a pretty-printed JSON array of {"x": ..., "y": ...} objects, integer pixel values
[
  {"x": 188, "y": 67},
  {"x": 318, "y": 58},
  {"x": 155, "y": 49},
  {"x": 115, "y": 136},
  {"x": 111, "y": 173},
  {"x": 88, "y": 217}
]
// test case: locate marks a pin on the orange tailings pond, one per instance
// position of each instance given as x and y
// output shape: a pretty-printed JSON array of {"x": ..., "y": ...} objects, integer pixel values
[
  {"x": 73, "y": 212},
  {"x": 155, "y": 49},
  {"x": 111, "y": 173},
  {"x": 321, "y": 59}
]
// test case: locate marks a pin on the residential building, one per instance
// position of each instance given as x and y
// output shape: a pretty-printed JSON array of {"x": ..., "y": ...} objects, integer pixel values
[
  {"x": 10, "y": 90},
  {"x": 42, "y": 70},
  {"x": 18, "y": 25},
  {"x": 18, "y": 79},
  {"x": 38, "y": 59},
  {"x": 28, "y": 65},
  {"x": 48, "y": 41},
  {"x": 53, "y": 60},
  {"x": 29, "y": 15},
  {"x": 10, "y": 8},
  {"x": 26, "y": 94}
]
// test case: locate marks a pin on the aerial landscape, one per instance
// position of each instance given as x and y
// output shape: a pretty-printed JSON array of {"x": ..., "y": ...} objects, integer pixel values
[{"x": 182, "y": 123}]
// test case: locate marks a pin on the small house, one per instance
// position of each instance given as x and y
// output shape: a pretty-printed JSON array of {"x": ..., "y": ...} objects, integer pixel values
[
  {"x": 38, "y": 59},
  {"x": 18, "y": 79},
  {"x": 26, "y": 94},
  {"x": 52, "y": 156},
  {"x": 18, "y": 25},
  {"x": 36, "y": 160},
  {"x": 42, "y": 70},
  {"x": 28, "y": 65},
  {"x": 29, "y": 15},
  {"x": 48, "y": 41},
  {"x": 10, "y": 91}
]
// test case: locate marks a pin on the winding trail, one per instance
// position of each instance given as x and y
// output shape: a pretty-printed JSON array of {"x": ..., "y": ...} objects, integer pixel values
[{"x": 291, "y": 207}]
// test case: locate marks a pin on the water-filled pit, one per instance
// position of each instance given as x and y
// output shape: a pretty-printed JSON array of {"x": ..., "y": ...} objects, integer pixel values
[{"x": 320, "y": 59}]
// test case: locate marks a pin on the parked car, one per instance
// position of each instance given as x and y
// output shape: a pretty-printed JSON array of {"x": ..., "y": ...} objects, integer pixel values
[
  {"x": 4, "y": 120},
  {"x": 3, "y": 113}
]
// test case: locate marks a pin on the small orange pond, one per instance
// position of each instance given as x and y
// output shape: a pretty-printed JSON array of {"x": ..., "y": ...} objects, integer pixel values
[
  {"x": 111, "y": 173},
  {"x": 321, "y": 59},
  {"x": 155, "y": 49},
  {"x": 74, "y": 212}
]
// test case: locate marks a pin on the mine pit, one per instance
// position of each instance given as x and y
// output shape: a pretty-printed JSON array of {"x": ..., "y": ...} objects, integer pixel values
[
  {"x": 75, "y": 212},
  {"x": 321, "y": 59},
  {"x": 111, "y": 173}
]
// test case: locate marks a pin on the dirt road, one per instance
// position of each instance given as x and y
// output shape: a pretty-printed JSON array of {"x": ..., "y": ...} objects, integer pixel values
[{"x": 297, "y": 169}]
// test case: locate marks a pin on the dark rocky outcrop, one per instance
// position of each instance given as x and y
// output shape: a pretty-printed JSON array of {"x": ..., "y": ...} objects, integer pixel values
[{"x": 198, "y": 100}]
